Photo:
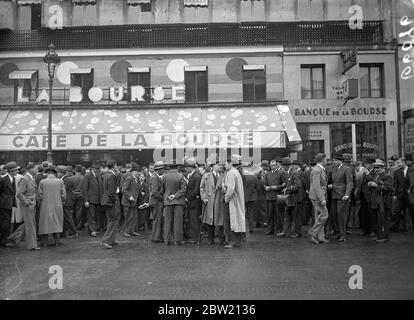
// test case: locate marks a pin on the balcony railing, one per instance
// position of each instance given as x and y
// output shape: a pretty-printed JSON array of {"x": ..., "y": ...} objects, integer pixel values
[{"x": 194, "y": 35}]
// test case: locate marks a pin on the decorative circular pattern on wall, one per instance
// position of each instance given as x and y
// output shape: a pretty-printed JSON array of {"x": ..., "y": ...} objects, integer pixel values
[
  {"x": 5, "y": 70},
  {"x": 63, "y": 71},
  {"x": 234, "y": 69},
  {"x": 175, "y": 70},
  {"x": 119, "y": 71}
]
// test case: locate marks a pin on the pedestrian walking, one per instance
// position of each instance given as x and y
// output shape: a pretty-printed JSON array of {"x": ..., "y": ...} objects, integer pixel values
[{"x": 318, "y": 196}]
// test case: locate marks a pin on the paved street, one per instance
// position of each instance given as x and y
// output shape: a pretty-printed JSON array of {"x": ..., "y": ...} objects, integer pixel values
[{"x": 265, "y": 268}]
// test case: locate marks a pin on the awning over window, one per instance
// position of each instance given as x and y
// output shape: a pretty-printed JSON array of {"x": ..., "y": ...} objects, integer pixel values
[
  {"x": 244, "y": 127},
  {"x": 137, "y": 2},
  {"x": 28, "y": 2},
  {"x": 22, "y": 74},
  {"x": 196, "y": 3},
  {"x": 81, "y": 71},
  {"x": 84, "y": 2}
]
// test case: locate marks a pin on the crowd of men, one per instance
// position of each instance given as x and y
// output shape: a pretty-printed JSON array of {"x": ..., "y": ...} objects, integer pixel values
[{"x": 182, "y": 204}]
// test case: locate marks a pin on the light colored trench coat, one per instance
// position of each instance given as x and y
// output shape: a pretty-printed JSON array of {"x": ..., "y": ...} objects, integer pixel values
[
  {"x": 213, "y": 210},
  {"x": 52, "y": 193},
  {"x": 233, "y": 186}
]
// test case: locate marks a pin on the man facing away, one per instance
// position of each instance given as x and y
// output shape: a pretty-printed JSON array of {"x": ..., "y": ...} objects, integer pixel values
[
  {"x": 174, "y": 189},
  {"x": 318, "y": 196}
]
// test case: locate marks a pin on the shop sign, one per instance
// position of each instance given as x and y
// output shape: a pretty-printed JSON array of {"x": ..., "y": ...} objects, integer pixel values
[
  {"x": 409, "y": 136},
  {"x": 329, "y": 112},
  {"x": 147, "y": 140}
]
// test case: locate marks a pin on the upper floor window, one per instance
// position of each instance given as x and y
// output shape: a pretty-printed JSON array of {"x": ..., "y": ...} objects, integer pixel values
[
  {"x": 254, "y": 83},
  {"x": 140, "y": 77},
  {"x": 196, "y": 84},
  {"x": 312, "y": 81},
  {"x": 371, "y": 80},
  {"x": 25, "y": 85},
  {"x": 83, "y": 80},
  {"x": 29, "y": 12}
]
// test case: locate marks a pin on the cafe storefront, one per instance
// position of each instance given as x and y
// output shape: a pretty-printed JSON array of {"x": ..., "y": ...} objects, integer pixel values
[
  {"x": 363, "y": 128},
  {"x": 148, "y": 133}
]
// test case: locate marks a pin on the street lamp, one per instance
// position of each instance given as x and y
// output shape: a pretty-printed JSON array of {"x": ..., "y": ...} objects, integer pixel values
[{"x": 51, "y": 59}]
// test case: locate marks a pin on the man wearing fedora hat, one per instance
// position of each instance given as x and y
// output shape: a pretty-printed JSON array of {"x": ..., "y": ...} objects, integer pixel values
[
  {"x": 341, "y": 184},
  {"x": 91, "y": 185},
  {"x": 131, "y": 195},
  {"x": 234, "y": 200},
  {"x": 52, "y": 194},
  {"x": 7, "y": 200},
  {"x": 156, "y": 201}
]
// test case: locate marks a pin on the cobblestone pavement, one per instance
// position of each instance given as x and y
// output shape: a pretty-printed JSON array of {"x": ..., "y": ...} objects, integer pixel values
[{"x": 264, "y": 268}]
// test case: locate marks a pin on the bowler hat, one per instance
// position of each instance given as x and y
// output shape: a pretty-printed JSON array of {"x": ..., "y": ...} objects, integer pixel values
[
  {"x": 10, "y": 166},
  {"x": 50, "y": 168},
  {"x": 286, "y": 161},
  {"x": 159, "y": 165}
]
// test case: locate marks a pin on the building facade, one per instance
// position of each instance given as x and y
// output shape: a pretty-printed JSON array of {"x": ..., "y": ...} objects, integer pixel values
[{"x": 264, "y": 78}]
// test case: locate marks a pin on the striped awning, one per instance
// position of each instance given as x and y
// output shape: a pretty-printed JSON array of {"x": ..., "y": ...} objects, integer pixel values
[
  {"x": 28, "y": 2},
  {"x": 22, "y": 74},
  {"x": 137, "y": 2},
  {"x": 84, "y": 2},
  {"x": 195, "y": 3}
]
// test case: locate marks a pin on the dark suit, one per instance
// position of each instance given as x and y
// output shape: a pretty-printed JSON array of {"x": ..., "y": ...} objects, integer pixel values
[
  {"x": 194, "y": 204},
  {"x": 131, "y": 189},
  {"x": 69, "y": 226},
  {"x": 156, "y": 203},
  {"x": 174, "y": 184},
  {"x": 251, "y": 190},
  {"x": 110, "y": 203},
  {"x": 401, "y": 187},
  {"x": 381, "y": 203},
  {"x": 91, "y": 193},
  {"x": 143, "y": 214},
  {"x": 293, "y": 217},
  {"x": 7, "y": 202},
  {"x": 275, "y": 212},
  {"x": 342, "y": 184}
]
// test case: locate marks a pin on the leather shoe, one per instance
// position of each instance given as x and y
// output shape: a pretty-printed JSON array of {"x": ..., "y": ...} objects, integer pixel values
[
  {"x": 93, "y": 234},
  {"x": 381, "y": 240},
  {"x": 107, "y": 246},
  {"x": 33, "y": 249},
  {"x": 127, "y": 235},
  {"x": 314, "y": 240},
  {"x": 136, "y": 234},
  {"x": 280, "y": 235},
  {"x": 341, "y": 239}
]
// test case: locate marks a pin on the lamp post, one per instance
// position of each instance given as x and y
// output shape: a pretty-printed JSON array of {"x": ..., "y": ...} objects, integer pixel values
[{"x": 51, "y": 59}]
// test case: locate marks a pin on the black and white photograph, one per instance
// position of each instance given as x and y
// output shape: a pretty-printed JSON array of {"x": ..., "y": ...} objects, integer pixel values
[{"x": 217, "y": 152}]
